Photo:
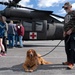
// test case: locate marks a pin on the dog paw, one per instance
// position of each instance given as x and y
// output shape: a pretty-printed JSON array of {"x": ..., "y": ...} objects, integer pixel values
[
  {"x": 27, "y": 70},
  {"x": 31, "y": 70}
]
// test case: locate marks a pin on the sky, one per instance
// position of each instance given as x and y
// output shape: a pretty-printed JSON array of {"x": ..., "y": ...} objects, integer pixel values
[{"x": 48, "y": 5}]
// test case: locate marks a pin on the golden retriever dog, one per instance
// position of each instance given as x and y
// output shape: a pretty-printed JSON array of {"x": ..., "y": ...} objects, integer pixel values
[{"x": 33, "y": 60}]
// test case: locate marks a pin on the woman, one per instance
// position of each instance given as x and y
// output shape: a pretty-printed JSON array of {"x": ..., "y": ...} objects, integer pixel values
[
  {"x": 2, "y": 31},
  {"x": 5, "y": 35}
]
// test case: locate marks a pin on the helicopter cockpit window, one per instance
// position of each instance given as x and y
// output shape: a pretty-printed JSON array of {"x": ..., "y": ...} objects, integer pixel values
[
  {"x": 39, "y": 26},
  {"x": 28, "y": 26}
]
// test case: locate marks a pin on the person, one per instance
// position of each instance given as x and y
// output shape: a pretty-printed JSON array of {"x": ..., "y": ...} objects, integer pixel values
[
  {"x": 11, "y": 34},
  {"x": 69, "y": 35},
  {"x": 2, "y": 31},
  {"x": 5, "y": 35},
  {"x": 20, "y": 34}
]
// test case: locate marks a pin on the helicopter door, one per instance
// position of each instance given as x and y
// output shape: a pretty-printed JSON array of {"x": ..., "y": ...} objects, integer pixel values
[{"x": 40, "y": 29}]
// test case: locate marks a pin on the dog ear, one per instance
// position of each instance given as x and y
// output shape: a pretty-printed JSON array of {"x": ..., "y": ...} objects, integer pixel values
[
  {"x": 28, "y": 53},
  {"x": 35, "y": 54}
]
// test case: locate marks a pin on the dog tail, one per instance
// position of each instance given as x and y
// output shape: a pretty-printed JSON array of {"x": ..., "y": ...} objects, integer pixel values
[{"x": 46, "y": 62}]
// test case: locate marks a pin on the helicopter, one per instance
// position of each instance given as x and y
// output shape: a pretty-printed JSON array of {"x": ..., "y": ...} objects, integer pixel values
[{"x": 39, "y": 24}]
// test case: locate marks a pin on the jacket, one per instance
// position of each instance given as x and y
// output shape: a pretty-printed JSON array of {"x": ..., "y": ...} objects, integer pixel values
[
  {"x": 69, "y": 21},
  {"x": 2, "y": 29},
  {"x": 11, "y": 29},
  {"x": 20, "y": 30}
]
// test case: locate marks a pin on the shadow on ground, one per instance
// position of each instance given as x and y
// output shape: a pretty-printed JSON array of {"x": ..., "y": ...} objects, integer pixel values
[{"x": 19, "y": 67}]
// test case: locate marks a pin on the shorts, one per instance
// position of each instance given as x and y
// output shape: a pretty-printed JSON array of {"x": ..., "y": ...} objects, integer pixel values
[{"x": 1, "y": 35}]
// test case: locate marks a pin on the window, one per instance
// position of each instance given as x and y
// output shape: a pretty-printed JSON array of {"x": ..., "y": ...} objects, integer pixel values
[
  {"x": 28, "y": 26},
  {"x": 39, "y": 26}
]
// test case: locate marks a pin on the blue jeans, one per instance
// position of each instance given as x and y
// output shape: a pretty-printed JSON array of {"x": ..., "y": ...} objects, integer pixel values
[
  {"x": 16, "y": 39},
  {"x": 11, "y": 38},
  {"x": 20, "y": 40}
]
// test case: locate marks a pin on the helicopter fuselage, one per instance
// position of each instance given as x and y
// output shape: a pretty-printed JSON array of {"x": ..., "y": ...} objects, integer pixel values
[{"x": 37, "y": 24}]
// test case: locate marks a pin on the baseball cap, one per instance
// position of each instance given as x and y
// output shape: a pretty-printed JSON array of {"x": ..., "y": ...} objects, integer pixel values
[{"x": 67, "y": 4}]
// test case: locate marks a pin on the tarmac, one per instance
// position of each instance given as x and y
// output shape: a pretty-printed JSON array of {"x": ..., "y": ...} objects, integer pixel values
[{"x": 11, "y": 64}]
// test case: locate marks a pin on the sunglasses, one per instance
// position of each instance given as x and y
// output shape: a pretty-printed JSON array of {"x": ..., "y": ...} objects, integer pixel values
[{"x": 66, "y": 8}]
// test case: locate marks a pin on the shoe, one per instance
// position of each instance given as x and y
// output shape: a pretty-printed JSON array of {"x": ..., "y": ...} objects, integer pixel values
[
  {"x": 0, "y": 55},
  {"x": 16, "y": 46},
  {"x": 65, "y": 63},
  {"x": 70, "y": 66},
  {"x": 4, "y": 54}
]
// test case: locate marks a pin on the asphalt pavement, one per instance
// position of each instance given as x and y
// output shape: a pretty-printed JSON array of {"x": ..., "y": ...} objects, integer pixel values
[{"x": 12, "y": 63}]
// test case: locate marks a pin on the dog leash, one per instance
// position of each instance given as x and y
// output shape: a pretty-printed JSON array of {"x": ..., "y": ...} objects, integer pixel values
[
  {"x": 52, "y": 49},
  {"x": 55, "y": 47}
]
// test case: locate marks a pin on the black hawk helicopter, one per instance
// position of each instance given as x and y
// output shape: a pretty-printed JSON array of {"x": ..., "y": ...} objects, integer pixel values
[{"x": 39, "y": 24}]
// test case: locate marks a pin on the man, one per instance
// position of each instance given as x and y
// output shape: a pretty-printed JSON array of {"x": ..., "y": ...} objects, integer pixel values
[
  {"x": 20, "y": 32},
  {"x": 11, "y": 34},
  {"x": 69, "y": 35}
]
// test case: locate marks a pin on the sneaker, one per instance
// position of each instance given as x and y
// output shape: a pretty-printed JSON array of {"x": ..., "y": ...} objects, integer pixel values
[
  {"x": 4, "y": 54},
  {"x": 65, "y": 63},
  {"x": 0, "y": 55},
  {"x": 70, "y": 66}
]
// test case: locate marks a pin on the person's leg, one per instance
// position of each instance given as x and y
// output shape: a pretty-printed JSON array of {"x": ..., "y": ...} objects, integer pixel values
[
  {"x": 20, "y": 41},
  {"x": 2, "y": 47},
  {"x": 13, "y": 39},
  {"x": 72, "y": 49},
  {"x": 5, "y": 43},
  {"x": 9, "y": 40},
  {"x": 67, "y": 47},
  {"x": 1, "y": 44},
  {"x": 71, "y": 52},
  {"x": 16, "y": 39}
]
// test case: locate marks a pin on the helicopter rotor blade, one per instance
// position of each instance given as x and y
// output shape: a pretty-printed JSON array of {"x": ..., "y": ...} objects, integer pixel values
[
  {"x": 11, "y": 3},
  {"x": 4, "y": 3},
  {"x": 25, "y": 7},
  {"x": 14, "y": 4},
  {"x": 36, "y": 10},
  {"x": 58, "y": 16}
]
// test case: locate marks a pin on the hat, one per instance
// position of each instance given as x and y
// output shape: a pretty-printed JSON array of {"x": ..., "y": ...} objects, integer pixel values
[{"x": 67, "y": 4}]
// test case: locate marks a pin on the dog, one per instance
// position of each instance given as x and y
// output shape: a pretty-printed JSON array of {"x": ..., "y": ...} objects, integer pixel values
[{"x": 33, "y": 60}]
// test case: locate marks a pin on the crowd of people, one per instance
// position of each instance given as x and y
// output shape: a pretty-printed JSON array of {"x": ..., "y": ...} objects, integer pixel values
[{"x": 13, "y": 32}]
